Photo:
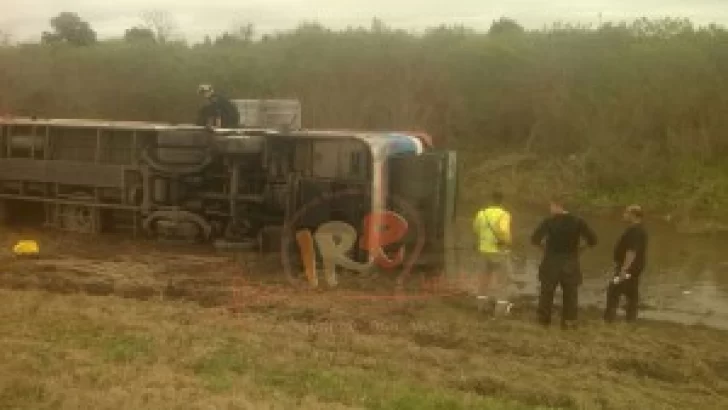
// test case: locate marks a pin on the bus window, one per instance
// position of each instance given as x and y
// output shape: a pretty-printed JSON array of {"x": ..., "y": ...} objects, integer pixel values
[
  {"x": 326, "y": 159},
  {"x": 279, "y": 164},
  {"x": 302, "y": 161},
  {"x": 352, "y": 160},
  {"x": 355, "y": 163}
]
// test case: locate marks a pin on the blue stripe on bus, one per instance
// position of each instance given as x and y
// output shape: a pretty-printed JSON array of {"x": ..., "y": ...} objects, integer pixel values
[{"x": 400, "y": 144}]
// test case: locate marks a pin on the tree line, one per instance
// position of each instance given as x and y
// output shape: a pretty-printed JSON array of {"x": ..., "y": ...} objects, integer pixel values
[
  {"x": 632, "y": 108},
  {"x": 157, "y": 27}
]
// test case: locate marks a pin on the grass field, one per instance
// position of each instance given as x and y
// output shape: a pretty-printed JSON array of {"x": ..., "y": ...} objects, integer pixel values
[
  {"x": 114, "y": 324},
  {"x": 106, "y": 352}
]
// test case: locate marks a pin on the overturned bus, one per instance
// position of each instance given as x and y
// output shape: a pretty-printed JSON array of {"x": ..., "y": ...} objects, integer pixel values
[{"x": 247, "y": 185}]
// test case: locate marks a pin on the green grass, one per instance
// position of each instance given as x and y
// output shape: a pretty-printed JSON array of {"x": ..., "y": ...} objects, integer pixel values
[
  {"x": 78, "y": 351},
  {"x": 695, "y": 196}
]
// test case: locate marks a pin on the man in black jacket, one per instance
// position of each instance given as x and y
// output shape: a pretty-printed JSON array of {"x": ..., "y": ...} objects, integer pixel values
[
  {"x": 629, "y": 259},
  {"x": 560, "y": 238},
  {"x": 219, "y": 112}
]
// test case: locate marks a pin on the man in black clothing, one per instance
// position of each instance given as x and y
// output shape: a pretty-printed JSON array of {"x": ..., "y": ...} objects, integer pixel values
[
  {"x": 560, "y": 238},
  {"x": 218, "y": 112},
  {"x": 629, "y": 259}
]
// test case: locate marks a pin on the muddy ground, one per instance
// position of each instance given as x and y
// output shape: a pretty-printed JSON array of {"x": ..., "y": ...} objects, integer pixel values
[{"x": 144, "y": 270}]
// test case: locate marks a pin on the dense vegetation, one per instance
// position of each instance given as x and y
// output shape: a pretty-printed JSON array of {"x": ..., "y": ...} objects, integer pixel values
[{"x": 620, "y": 112}]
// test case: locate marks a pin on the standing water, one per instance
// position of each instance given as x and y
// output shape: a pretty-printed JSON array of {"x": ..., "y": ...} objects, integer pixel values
[{"x": 686, "y": 279}]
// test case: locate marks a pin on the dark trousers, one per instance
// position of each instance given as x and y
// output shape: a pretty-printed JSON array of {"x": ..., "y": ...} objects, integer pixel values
[
  {"x": 570, "y": 301},
  {"x": 564, "y": 271},
  {"x": 630, "y": 289}
]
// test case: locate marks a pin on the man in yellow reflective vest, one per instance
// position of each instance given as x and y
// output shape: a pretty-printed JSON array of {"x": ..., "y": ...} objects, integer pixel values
[{"x": 492, "y": 226}]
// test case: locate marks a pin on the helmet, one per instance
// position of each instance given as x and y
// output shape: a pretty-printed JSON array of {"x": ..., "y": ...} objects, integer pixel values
[{"x": 204, "y": 88}]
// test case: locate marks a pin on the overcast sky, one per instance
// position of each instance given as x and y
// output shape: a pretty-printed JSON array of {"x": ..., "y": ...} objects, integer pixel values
[{"x": 26, "y": 19}]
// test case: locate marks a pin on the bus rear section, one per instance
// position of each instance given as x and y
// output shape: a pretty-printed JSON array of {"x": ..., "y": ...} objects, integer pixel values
[
  {"x": 392, "y": 215},
  {"x": 423, "y": 188}
]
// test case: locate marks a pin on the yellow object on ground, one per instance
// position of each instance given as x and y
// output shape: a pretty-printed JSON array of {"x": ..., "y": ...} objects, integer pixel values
[{"x": 26, "y": 247}]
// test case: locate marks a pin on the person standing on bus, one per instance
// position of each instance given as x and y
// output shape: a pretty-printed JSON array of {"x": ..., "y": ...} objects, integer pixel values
[
  {"x": 492, "y": 227},
  {"x": 559, "y": 236},
  {"x": 219, "y": 112}
]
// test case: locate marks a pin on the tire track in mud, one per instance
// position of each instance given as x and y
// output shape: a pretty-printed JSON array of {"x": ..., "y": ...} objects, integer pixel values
[
  {"x": 141, "y": 270},
  {"x": 108, "y": 266},
  {"x": 207, "y": 284},
  {"x": 144, "y": 270}
]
